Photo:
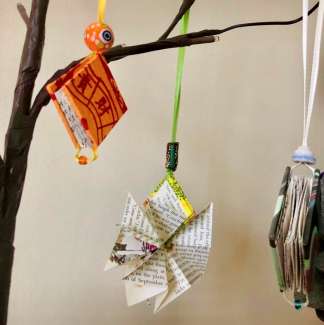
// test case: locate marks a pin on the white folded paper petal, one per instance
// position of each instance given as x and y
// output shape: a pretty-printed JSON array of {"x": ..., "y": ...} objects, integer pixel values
[{"x": 165, "y": 246}]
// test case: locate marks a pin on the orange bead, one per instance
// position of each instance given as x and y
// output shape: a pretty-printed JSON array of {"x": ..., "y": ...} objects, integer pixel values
[
  {"x": 99, "y": 37},
  {"x": 83, "y": 160}
]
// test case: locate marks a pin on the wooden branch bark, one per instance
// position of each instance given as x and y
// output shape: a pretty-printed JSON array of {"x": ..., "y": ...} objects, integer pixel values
[
  {"x": 215, "y": 32},
  {"x": 21, "y": 125},
  {"x": 186, "y": 5},
  {"x": 2, "y": 182},
  {"x": 120, "y": 52},
  {"x": 23, "y": 13},
  {"x": 18, "y": 140}
]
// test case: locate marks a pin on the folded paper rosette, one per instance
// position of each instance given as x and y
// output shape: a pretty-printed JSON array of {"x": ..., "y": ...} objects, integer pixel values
[{"x": 164, "y": 246}]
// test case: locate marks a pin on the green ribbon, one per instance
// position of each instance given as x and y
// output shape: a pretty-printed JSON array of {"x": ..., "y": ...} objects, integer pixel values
[{"x": 177, "y": 97}]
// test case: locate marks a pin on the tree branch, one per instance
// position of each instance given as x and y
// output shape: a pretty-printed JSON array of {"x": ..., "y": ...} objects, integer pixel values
[
  {"x": 18, "y": 139},
  {"x": 42, "y": 98},
  {"x": 31, "y": 58},
  {"x": 21, "y": 126},
  {"x": 2, "y": 183},
  {"x": 120, "y": 52},
  {"x": 23, "y": 13},
  {"x": 2, "y": 172},
  {"x": 186, "y": 5},
  {"x": 208, "y": 32}
]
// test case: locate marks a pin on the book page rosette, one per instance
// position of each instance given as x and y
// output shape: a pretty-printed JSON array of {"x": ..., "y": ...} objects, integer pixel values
[{"x": 164, "y": 246}]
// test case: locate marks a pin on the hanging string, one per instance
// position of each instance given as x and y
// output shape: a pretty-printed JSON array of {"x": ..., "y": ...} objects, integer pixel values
[
  {"x": 309, "y": 107},
  {"x": 305, "y": 46},
  {"x": 303, "y": 154},
  {"x": 101, "y": 11},
  {"x": 177, "y": 97}
]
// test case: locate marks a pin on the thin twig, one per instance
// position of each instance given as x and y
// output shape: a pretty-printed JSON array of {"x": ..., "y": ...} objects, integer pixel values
[
  {"x": 208, "y": 32},
  {"x": 186, "y": 5},
  {"x": 23, "y": 13}
]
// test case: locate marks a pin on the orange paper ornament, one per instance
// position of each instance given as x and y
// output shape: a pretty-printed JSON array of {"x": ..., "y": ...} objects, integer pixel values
[{"x": 89, "y": 103}]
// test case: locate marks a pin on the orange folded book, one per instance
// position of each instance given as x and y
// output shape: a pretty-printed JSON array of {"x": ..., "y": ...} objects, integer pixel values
[{"x": 88, "y": 101}]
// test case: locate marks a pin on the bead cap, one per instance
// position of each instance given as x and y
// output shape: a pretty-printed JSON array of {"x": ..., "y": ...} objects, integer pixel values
[{"x": 304, "y": 155}]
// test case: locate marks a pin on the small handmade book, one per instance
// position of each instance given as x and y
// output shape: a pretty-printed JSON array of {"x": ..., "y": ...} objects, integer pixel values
[
  {"x": 294, "y": 236},
  {"x": 88, "y": 101}
]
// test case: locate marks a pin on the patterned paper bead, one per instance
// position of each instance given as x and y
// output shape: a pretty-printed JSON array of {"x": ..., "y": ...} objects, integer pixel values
[
  {"x": 99, "y": 37},
  {"x": 172, "y": 156}
]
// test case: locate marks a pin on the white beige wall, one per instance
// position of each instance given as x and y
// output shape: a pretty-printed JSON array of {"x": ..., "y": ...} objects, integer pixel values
[{"x": 240, "y": 122}]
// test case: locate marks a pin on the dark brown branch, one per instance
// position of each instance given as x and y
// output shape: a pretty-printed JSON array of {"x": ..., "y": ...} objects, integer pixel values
[
  {"x": 208, "y": 32},
  {"x": 21, "y": 126},
  {"x": 23, "y": 13},
  {"x": 2, "y": 178},
  {"x": 179, "y": 41},
  {"x": 18, "y": 140},
  {"x": 186, "y": 5},
  {"x": 31, "y": 58},
  {"x": 2, "y": 182},
  {"x": 119, "y": 52},
  {"x": 42, "y": 98}
]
